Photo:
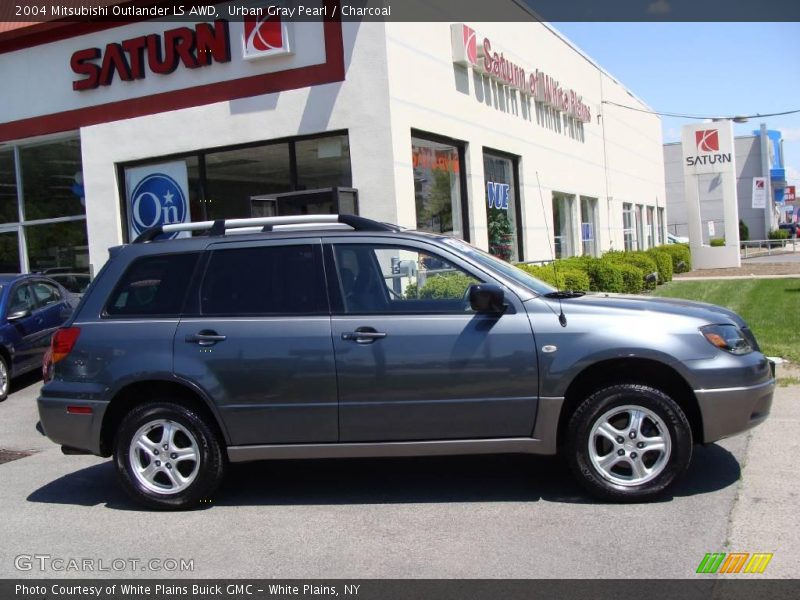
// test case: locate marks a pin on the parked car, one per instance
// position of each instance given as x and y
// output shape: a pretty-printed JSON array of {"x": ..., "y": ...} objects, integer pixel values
[
  {"x": 186, "y": 354},
  {"x": 31, "y": 309},
  {"x": 676, "y": 239}
]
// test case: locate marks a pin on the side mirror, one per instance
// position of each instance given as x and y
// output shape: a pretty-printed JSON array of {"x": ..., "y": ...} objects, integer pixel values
[
  {"x": 19, "y": 314},
  {"x": 486, "y": 298}
]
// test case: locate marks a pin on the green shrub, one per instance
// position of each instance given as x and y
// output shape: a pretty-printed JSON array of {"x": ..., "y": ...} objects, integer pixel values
[
  {"x": 664, "y": 264},
  {"x": 605, "y": 276},
  {"x": 632, "y": 277},
  {"x": 442, "y": 286},
  {"x": 680, "y": 254},
  {"x": 641, "y": 260},
  {"x": 779, "y": 234},
  {"x": 575, "y": 280},
  {"x": 744, "y": 231},
  {"x": 717, "y": 242},
  {"x": 569, "y": 277},
  {"x": 541, "y": 272}
]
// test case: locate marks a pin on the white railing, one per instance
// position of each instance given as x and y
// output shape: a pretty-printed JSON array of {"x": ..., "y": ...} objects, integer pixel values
[{"x": 753, "y": 248}]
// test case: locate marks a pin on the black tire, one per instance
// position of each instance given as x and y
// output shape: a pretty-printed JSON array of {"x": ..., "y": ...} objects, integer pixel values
[
  {"x": 5, "y": 379},
  {"x": 625, "y": 473},
  {"x": 193, "y": 437}
]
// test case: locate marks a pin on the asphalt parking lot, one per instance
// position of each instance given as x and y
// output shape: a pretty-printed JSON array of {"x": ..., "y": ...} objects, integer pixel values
[{"x": 502, "y": 516}]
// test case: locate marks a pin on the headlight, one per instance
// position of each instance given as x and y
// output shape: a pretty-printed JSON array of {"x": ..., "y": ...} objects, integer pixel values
[{"x": 727, "y": 337}]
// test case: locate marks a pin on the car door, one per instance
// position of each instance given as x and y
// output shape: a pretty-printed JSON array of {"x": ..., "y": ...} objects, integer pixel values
[
  {"x": 258, "y": 341},
  {"x": 27, "y": 329},
  {"x": 51, "y": 311},
  {"x": 413, "y": 361}
]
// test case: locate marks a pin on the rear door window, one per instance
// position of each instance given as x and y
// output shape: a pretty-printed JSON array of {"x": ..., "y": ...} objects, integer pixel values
[
  {"x": 153, "y": 286},
  {"x": 264, "y": 280},
  {"x": 45, "y": 293}
]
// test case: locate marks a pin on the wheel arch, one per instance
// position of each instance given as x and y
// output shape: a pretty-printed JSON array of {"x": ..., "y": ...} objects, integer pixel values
[
  {"x": 142, "y": 392},
  {"x": 634, "y": 370}
]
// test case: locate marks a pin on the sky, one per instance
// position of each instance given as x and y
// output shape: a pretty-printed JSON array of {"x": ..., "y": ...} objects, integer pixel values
[{"x": 707, "y": 69}]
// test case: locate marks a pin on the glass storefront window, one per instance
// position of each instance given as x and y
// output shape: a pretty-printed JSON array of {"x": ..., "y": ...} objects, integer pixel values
[
  {"x": 437, "y": 187},
  {"x": 58, "y": 245},
  {"x": 9, "y": 252},
  {"x": 235, "y": 177},
  {"x": 589, "y": 226},
  {"x": 323, "y": 162},
  {"x": 501, "y": 206},
  {"x": 563, "y": 224},
  {"x": 628, "y": 230},
  {"x": 639, "y": 227},
  {"x": 660, "y": 226},
  {"x": 52, "y": 182},
  {"x": 9, "y": 212},
  {"x": 651, "y": 224}
]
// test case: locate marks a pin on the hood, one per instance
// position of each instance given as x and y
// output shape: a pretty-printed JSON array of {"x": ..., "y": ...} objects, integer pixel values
[{"x": 674, "y": 306}]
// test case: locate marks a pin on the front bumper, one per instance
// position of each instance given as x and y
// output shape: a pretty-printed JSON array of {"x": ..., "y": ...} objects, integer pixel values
[
  {"x": 729, "y": 411},
  {"x": 79, "y": 431}
]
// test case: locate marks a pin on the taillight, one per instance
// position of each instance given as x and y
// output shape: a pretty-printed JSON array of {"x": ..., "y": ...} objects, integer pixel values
[{"x": 63, "y": 341}]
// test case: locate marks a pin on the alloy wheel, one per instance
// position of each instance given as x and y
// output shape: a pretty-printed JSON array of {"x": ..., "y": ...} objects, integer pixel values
[
  {"x": 629, "y": 445},
  {"x": 164, "y": 456}
]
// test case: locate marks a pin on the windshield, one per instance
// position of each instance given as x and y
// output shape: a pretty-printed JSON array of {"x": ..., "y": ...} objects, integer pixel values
[{"x": 495, "y": 264}]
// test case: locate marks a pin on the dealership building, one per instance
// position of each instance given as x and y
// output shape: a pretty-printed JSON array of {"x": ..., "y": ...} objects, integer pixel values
[{"x": 503, "y": 134}]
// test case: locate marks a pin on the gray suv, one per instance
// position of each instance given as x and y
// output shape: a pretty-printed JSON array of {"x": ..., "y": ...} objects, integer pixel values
[{"x": 336, "y": 336}]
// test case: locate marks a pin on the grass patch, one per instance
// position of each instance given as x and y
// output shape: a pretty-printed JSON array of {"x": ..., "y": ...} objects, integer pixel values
[
  {"x": 771, "y": 308},
  {"x": 787, "y": 381}
]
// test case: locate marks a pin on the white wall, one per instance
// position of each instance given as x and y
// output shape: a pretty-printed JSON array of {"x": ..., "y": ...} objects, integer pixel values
[
  {"x": 358, "y": 104},
  {"x": 430, "y": 93}
]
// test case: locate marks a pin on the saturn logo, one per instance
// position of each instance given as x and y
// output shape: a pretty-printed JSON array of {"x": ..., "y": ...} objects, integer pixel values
[
  {"x": 470, "y": 45},
  {"x": 264, "y": 36},
  {"x": 707, "y": 140}
]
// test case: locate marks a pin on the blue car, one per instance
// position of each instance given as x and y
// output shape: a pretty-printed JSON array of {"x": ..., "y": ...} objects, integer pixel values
[{"x": 32, "y": 307}]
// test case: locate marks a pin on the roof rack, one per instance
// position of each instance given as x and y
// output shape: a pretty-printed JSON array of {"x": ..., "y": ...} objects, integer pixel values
[{"x": 220, "y": 226}]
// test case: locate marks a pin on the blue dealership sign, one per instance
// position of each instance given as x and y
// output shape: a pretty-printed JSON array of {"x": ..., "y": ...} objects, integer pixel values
[
  {"x": 497, "y": 194},
  {"x": 157, "y": 195}
]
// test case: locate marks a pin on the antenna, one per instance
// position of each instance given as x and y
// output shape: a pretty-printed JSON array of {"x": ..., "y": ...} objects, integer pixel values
[{"x": 561, "y": 316}]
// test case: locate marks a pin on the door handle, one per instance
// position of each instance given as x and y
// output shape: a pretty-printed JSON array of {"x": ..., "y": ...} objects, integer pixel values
[
  {"x": 205, "y": 338},
  {"x": 363, "y": 335}
]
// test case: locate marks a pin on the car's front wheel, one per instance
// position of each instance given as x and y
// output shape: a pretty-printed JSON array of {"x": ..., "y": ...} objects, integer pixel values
[
  {"x": 628, "y": 442},
  {"x": 167, "y": 457}
]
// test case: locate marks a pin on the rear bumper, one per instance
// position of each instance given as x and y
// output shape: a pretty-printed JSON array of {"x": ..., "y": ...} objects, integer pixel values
[
  {"x": 78, "y": 431},
  {"x": 729, "y": 411}
]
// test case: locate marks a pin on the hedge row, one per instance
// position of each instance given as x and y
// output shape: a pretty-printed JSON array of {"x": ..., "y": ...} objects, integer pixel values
[{"x": 617, "y": 272}]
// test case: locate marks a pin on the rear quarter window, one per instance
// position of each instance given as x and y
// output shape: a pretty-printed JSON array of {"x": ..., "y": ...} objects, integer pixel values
[{"x": 153, "y": 286}]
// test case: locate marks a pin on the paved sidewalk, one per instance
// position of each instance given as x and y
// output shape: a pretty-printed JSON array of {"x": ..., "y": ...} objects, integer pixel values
[{"x": 764, "y": 515}]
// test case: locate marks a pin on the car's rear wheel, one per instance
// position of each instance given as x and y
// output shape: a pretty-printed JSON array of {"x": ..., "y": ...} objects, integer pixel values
[
  {"x": 5, "y": 379},
  {"x": 167, "y": 457},
  {"x": 628, "y": 443}
]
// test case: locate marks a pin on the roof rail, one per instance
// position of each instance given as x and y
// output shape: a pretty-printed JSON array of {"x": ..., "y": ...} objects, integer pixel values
[{"x": 220, "y": 226}]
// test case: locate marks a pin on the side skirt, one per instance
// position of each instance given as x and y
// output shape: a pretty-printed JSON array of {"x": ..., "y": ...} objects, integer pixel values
[{"x": 388, "y": 449}]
